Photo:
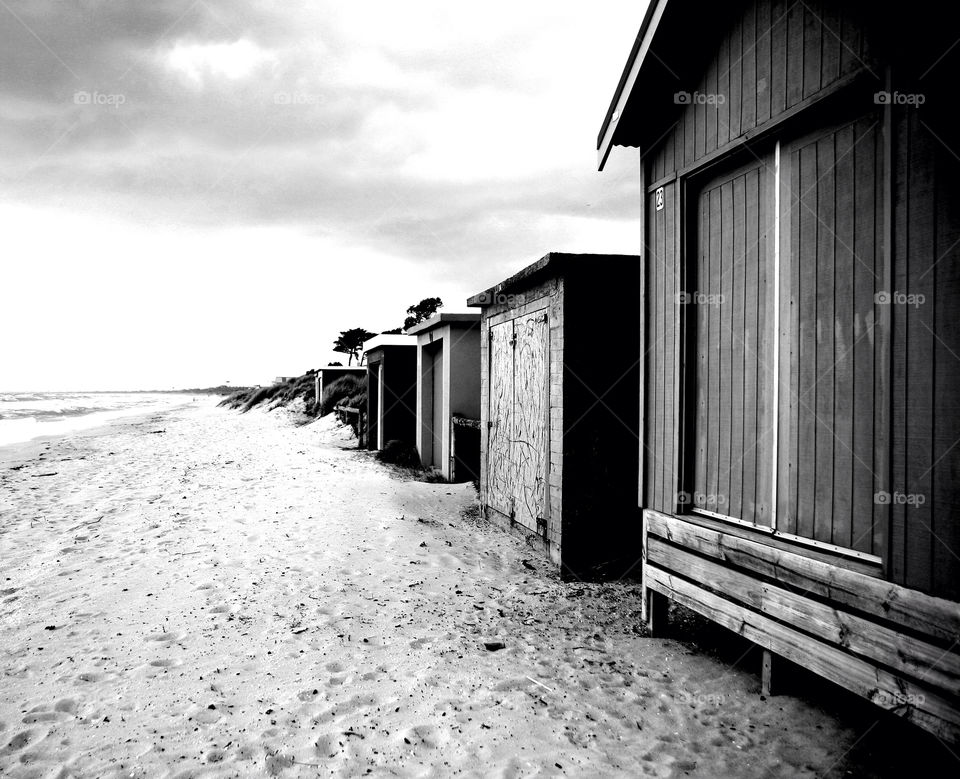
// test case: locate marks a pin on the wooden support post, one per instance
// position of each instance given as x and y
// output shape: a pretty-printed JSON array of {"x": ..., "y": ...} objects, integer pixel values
[
  {"x": 766, "y": 674},
  {"x": 657, "y": 605}
]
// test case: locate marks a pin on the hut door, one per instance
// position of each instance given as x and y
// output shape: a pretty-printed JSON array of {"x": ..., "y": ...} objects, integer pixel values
[
  {"x": 500, "y": 434},
  {"x": 518, "y": 441},
  {"x": 732, "y": 314}
]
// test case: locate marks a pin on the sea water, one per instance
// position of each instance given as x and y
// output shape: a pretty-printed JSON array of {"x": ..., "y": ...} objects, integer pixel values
[{"x": 28, "y": 415}]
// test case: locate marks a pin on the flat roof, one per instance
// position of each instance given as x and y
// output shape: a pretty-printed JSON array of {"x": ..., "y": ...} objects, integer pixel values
[
  {"x": 553, "y": 263},
  {"x": 438, "y": 320},
  {"x": 393, "y": 339}
]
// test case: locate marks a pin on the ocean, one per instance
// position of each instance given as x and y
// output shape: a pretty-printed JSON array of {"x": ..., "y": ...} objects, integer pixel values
[{"x": 28, "y": 415}]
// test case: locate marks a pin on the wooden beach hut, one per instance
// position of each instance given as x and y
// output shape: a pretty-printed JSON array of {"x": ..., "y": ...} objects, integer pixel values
[
  {"x": 324, "y": 376},
  {"x": 448, "y": 386},
  {"x": 391, "y": 389},
  {"x": 559, "y": 382},
  {"x": 800, "y": 419}
]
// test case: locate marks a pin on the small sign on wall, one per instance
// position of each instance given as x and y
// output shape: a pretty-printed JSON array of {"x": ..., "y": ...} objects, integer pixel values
[{"x": 659, "y": 198}]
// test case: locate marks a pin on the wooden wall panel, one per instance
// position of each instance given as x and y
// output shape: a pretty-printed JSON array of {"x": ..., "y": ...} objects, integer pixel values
[
  {"x": 661, "y": 412},
  {"x": 772, "y": 57},
  {"x": 831, "y": 275}
]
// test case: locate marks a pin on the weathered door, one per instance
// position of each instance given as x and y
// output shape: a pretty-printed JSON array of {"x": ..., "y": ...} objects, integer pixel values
[
  {"x": 518, "y": 442},
  {"x": 500, "y": 432},
  {"x": 531, "y": 384}
]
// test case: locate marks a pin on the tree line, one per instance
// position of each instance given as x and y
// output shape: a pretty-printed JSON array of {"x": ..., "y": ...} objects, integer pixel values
[{"x": 351, "y": 341}]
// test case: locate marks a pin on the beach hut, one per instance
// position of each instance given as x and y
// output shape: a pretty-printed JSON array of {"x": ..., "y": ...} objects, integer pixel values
[
  {"x": 324, "y": 376},
  {"x": 559, "y": 382},
  {"x": 800, "y": 473},
  {"x": 391, "y": 389},
  {"x": 448, "y": 388}
]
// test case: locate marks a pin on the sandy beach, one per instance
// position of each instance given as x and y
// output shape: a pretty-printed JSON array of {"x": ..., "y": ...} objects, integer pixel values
[{"x": 204, "y": 593}]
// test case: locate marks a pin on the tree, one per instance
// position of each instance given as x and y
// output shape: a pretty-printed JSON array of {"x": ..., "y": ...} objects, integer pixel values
[
  {"x": 351, "y": 341},
  {"x": 336, "y": 364},
  {"x": 395, "y": 331},
  {"x": 423, "y": 310}
]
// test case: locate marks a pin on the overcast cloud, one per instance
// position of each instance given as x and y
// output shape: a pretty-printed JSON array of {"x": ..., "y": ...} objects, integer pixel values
[{"x": 426, "y": 147}]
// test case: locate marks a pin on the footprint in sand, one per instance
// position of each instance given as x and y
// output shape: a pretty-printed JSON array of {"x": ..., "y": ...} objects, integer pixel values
[
  {"x": 222, "y": 609},
  {"x": 334, "y": 667},
  {"x": 166, "y": 638},
  {"x": 20, "y": 741},
  {"x": 67, "y": 705},
  {"x": 166, "y": 663}
]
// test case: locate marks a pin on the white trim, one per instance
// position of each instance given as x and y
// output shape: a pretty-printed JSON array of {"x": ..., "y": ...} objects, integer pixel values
[
  {"x": 774, "y": 475},
  {"x": 607, "y": 142}
]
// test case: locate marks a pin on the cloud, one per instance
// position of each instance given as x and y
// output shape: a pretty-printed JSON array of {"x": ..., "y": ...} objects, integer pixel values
[{"x": 199, "y": 62}]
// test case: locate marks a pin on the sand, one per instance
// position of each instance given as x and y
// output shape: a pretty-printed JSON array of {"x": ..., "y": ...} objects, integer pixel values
[{"x": 205, "y": 593}]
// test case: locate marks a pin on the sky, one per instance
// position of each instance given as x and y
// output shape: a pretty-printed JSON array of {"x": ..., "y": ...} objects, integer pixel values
[{"x": 199, "y": 192}]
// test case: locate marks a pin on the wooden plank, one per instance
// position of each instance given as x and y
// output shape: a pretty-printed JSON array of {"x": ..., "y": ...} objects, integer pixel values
[
  {"x": 662, "y": 265},
  {"x": 766, "y": 674},
  {"x": 500, "y": 481},
  {"x": 703, "y": 350},
  {"x": 710, "y": 486},
  {"x": 723, "y": 89},
  {"x": 752, "y": 295},
  {"x": 763, "y": 36},
  {"x": 806, "y": 387},
  {"x": 734, "y": 503},
  {"x": 748, "y": 66},
  {"x": 920, "y": 358},
  {"x": 823, "y": 395},
  {"x": 712, "y": 88},
  {"x": 812, "y": 40},
  {"x": 920, "y": 660},
  {"x": 721, "y": 495},
  {"x": 884, "y": 373},
  {"x": 844, "y": 307},
  {"x": 689, "y": 135},
  {"x": 929, "y": 616},
  {"x": 735, "y": 79},
  {"x": 794, "y": 47},
  {"x": 877, "y": 685},
  {"x": 699, "y": 111},
  {"x": 850, "y": 55},
  {"x": 866, "y": 283},
  {"x": 945, "y": 501},
  {"x": 670, "y": 263},
  {"x": 642, "y": 457},
  {"x": 789, "y": 438},
  {"x": 766, "y": 343},
  {"x": 830, "y": 32},
  {"x": 779, "y": 25}
]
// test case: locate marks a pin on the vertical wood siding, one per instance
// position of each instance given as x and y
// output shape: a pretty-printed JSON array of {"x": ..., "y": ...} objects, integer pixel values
[
  {"x": 925, "y": 539},
  {"x": 832, "y": 273},
  {"x": 733, "y": 459},
  {"x": 663, "y": 287},
  {"x": 775, "y": 55}
]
